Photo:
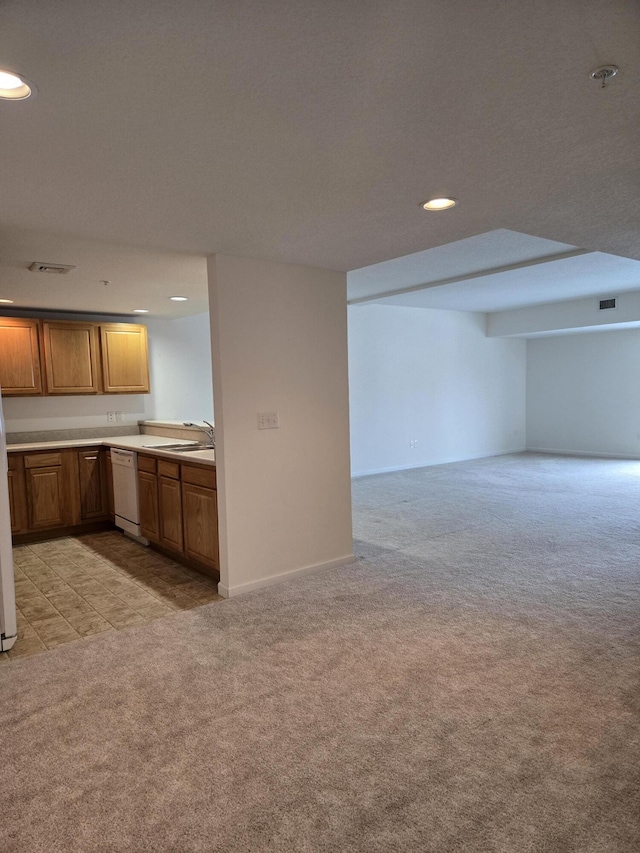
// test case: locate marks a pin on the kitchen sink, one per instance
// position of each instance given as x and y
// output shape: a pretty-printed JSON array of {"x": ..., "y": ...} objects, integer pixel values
[{"x": 193, "y": 447}]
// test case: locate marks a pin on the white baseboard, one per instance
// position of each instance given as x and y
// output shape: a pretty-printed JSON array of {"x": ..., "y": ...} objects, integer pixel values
[
  {"x": 428, "y": 464},
  {"x": 590, "y": 453},
  {"x": 272, "y": 580}
]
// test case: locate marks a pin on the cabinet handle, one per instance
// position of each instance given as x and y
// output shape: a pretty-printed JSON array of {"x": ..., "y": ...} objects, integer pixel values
[{"x": 91, "y": 458}]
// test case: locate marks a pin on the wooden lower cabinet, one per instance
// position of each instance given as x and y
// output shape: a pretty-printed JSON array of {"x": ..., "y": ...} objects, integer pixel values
[
  {"x": 17, "y": 495},
  {"x": 148, "y": 499},
  {"x": 200, "y": 511},
  {"x": 45, "y": 497},
  {"x": 179, "y": 509},
  {"x": 92, "y": 480},
  {"x": 109, "y": 472},
  {"x": 73, "y": 488},
  {"x": 170, "y": 507},
  {"x": 57, "y": 489}
]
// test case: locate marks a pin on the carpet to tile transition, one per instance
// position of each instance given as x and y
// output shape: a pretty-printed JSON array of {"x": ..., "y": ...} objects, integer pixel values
[{"x": 471, "y": 684}]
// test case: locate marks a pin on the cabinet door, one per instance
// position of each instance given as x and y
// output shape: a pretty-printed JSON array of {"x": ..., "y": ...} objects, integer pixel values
[
  {"x": 45, "y": 497},
  {"x": 200, "y": 509},
  {"x": 125, "y": 361},
  {"x": 19, "y": 357},
  {"x": 17, "y": 498},
  {"x": 71, "y": 357},
  {"x": 148, "y": 498},
  {"x": 170, "y": 503},
  {"x": 110, "y": 504},
  {"x": 93, "y": 486}
]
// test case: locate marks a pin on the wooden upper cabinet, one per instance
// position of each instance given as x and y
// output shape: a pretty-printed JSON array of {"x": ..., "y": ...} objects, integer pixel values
[
  {"x": 71, "y": 357},
  {"x": 19, "y": 357},
  {"x": 125, "y": 361}
]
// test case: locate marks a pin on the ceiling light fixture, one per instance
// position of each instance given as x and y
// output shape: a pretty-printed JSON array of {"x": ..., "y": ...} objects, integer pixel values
[
  {"x": 7, "y": 301},
  {"x": 13, "y": 87},
  {"x": 140, "y": 310},
  {"x": 439, "y": 203},
  {"x": 179, "y": 298},
  {"x": 604, "y": 73}
]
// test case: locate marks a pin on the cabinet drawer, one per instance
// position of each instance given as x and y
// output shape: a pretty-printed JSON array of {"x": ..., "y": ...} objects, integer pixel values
[
  {"x": 199, "y": 476},
  {"x": 168, "y": 469},
  {"x": 146, "y": 463},
  {"x": 42, "y": 460}
]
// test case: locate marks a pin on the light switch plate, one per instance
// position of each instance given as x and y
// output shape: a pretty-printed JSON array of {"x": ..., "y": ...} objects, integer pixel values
[{"x": 268, "y": 420}]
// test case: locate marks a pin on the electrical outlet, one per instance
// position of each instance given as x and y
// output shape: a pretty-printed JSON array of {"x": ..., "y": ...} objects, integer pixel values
[
  {"x": 413, "y": 444},
  {"x": 111, "y": 417},
  {"x": 119, "y": 417},
  {"x": 268, "y": 420}
]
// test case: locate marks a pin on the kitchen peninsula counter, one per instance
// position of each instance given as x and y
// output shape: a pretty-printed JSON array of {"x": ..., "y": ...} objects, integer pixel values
[{"x": 148, "y": 444}]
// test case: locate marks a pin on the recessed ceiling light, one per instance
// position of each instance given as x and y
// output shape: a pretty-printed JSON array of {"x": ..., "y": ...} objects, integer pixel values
[
  {"x": 439, "y": 203},
  {"x": 13, "y": 87},
  {"x": 140, "y": 310},
  {"x": 179, "y": 298},
  {"x": 7, "y": 301}
]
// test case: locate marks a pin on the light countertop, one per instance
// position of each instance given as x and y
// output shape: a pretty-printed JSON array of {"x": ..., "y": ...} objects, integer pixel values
[{"x": 151, "y": 444}]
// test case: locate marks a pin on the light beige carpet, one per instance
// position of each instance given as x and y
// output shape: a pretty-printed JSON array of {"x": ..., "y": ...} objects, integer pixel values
[{"x": 471, "y": 684}]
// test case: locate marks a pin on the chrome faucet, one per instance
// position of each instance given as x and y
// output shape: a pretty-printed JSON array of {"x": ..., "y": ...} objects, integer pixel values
[{"x": 209, "y": 430}]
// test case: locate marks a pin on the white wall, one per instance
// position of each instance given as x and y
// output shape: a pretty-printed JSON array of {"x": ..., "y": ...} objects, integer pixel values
[
  {"x": 180, "y": 365},
  {"x": 279, "y": 340},
  {"x": 431, "y": 376},
  {"x": 181, "y": 385},
  {"x": 34, "y": 414},
  {"x": 579, "y": 315},
  {"x": 583, "y": 393}
]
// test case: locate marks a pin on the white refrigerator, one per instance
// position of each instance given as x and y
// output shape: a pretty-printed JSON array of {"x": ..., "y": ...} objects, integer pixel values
[{"x": 8, "y": 626}]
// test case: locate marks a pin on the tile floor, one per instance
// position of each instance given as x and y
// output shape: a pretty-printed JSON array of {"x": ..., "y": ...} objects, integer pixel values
[{"x": 76, "y": 587}]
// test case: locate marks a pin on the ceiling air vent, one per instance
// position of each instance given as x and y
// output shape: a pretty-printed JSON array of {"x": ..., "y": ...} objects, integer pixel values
[
  {"x": 56, "y": 269},
  {"x": 607, "y": 303}
]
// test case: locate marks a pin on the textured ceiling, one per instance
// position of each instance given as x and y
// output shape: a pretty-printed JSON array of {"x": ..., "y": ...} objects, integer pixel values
[
  {"x": 309, "y": 132},
  {"x": 138, "y": 278}
]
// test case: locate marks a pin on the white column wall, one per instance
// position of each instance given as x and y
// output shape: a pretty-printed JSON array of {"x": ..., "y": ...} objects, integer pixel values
[
  {"x": 279, "y": 343},
  {"x": 431, "y": 377}
]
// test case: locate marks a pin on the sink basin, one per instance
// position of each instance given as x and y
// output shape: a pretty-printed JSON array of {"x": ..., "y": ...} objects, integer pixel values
[{"x": 193, "y": 447}]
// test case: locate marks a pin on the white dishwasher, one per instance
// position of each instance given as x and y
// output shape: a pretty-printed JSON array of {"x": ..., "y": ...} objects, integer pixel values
[{"x": 125, "y": 491}]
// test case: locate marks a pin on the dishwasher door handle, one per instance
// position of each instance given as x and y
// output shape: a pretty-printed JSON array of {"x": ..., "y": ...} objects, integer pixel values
[{"x": 123, "y": 457}]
